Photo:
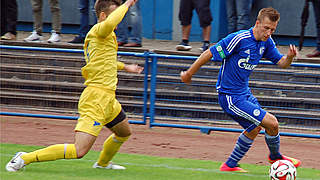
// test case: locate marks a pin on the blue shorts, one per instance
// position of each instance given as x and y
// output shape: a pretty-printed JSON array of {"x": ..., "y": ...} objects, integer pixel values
[{"x": 245, "y": 109}]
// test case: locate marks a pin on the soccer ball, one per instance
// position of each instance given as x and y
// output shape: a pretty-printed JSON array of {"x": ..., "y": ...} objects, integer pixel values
[{"x": 282, "y": 170}]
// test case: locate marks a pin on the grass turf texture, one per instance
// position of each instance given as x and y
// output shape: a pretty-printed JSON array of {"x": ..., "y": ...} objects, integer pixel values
[{"x": 139, "y": 167}]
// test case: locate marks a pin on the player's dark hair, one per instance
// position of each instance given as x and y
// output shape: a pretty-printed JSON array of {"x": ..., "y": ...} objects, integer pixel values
[
  {"x": 104, "y": 6},
  {"x": 269, "y": 12}
]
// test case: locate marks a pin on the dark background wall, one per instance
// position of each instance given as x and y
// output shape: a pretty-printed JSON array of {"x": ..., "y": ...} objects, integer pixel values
[{"x": 160, "y": 18}]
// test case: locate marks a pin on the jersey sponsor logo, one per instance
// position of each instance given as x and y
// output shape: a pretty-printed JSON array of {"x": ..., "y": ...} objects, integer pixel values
[
  {"x": 256, "y": 112},
  {"x": 244, "y": 62},
  {"x": 220, "y": 51},
  {"x": 96, "y": 123}
]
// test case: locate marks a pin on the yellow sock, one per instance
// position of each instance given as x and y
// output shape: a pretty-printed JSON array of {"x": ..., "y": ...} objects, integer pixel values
[
  {"x": 110, "y": 148},
  {"x": 51, "y": 153}
]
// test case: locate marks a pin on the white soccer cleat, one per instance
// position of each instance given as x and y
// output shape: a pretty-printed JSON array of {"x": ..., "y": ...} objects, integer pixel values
[
  {"x": 34, "y": 37},
  {"x": 15, "y": 163},
  {"x": 110, "y": 166},
  {"x": 54, "y": 37}
]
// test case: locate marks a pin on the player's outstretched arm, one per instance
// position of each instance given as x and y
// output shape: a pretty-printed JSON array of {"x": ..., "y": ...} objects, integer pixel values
[
  {"x": 187, "y": 75},
  {"x": 130, "y": 3},
  {"x": 286, "y": 61},
  {"x": 133, "y": 68}
]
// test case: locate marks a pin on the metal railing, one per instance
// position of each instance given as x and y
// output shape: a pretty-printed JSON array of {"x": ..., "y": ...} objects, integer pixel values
[{"x": 149, "y": 97}]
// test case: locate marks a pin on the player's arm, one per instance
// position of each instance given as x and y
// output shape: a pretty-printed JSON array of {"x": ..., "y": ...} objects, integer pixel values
[
  {"x": 133, "y": 68},
  {"x": 286, "y": 61},
  {"x": 114, "y": 18},
  {"x": 203, "y": 59}
]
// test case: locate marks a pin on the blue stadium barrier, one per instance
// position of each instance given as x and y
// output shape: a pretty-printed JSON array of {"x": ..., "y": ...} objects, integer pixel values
[
  {"x": 49, "y": 116},
  {"x": 151, "y": 60}
]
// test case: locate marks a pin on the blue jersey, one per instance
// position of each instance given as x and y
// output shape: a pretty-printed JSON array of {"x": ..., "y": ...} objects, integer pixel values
[{"x": 240, "y": 53}]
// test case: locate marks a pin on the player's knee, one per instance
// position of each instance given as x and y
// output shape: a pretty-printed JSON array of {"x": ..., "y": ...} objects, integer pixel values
[
  {"x": 273, "y": 126},
  {"x": 81, "y": 152},
  {"x": 126, "y": 133}
]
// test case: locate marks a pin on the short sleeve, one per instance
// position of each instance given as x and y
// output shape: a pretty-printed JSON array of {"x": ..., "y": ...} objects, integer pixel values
[{"x": 272, "y": 53}]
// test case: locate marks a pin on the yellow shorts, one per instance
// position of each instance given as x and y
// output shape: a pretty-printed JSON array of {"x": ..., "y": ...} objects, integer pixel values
[{"x": 97, "y": 107}]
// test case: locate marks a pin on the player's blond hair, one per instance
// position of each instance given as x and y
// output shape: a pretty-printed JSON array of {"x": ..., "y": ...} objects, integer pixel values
[
  {"x": 269, "y": 12},
  {"x": 104, "y": 6}
]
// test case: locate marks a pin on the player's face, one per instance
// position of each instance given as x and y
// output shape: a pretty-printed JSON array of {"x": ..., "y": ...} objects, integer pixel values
[{"x": 265, "y": 28}]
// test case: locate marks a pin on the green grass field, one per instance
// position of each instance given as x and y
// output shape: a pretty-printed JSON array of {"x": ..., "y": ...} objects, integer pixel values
[{"x": 138, "y": 167}]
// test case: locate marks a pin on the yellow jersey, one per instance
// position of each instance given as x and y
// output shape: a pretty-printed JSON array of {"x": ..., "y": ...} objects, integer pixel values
[{"x": 100, "y": 51}]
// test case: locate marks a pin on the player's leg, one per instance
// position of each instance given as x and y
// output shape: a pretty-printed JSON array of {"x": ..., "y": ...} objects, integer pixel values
[
  {"x": 272, "y": 138},
  {"x": 270, "y": 123},
  {"x": 241, "y": 147},
  {"x": 121, "y": 133},
  {"x": 87, "y": 129},
  {"x": 83, "y": 143},
  {"x": 249, "y": 115}
]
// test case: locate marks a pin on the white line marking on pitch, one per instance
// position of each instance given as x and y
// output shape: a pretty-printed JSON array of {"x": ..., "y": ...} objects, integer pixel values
[{"x": 172, "y": 167}]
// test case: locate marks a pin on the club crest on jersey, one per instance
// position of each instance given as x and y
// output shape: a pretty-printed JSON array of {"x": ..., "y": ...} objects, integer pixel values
[
  {"x": 96, "y": 123},
  {"x": 256, "y": 112},
  {"x": 244, "y": 62},
  {"x": 261, "y": 51}
]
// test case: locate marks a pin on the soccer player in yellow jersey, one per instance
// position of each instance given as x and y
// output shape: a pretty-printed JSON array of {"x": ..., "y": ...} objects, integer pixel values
[{"x": 98, "y": 106}]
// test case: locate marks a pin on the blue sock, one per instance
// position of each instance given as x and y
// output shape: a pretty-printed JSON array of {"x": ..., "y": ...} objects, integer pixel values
[
  {"x": 241, "y": 148},
  {"x": 273, "y": 143}
]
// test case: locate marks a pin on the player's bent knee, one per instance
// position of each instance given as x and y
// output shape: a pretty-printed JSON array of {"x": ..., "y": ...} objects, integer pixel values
[
  {"x": 272, "y": 125},
  {"x": 81, "y": 152}
]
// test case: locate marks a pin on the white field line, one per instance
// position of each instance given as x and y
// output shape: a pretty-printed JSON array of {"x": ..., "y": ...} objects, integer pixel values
[{"x": 171, "y": 167}]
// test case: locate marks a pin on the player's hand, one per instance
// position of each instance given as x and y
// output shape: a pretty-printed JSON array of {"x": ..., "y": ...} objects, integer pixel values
[
  {"x": 133, "y": 68},
  {"x": 292, "y": 52},
  {"x": 130, "y": 3},
  {"x": 185, "y": 77}
]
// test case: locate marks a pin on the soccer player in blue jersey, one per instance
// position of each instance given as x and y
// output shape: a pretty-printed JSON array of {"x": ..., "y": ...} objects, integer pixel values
[{"x": 240, "y": 53}]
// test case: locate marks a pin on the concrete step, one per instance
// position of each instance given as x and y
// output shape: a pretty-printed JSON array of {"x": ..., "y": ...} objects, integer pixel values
[
  {"x": 265, "y": 72},
  {"x": 166, "y": 81},
  {"x": 135, "y": 106},
  {"x": 172, "y": 93},
  {"x": 166, "y": 99}
]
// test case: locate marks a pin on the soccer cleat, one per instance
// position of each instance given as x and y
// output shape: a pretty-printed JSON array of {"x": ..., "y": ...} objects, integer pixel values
[
  {"x": 295, "y": 162},
  {"x": 183, "y": 47},
  {"x": 34, "y": 37},
  {"x": 15, "y": 163},
  {"x": 225, "y": 167},
  {"x": 110, "y": 166},
  {"x": 54, "y": 37}
]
